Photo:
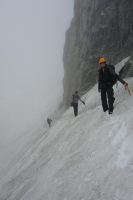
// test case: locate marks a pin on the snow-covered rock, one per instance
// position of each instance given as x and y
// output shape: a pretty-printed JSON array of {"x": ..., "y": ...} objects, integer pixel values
[{"x": 121, "y": 64}]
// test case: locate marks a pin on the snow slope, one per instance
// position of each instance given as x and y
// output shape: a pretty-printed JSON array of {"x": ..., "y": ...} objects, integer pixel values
[
  {"x": 85, "y": 158},
  {"x": 121, "y": 64}
]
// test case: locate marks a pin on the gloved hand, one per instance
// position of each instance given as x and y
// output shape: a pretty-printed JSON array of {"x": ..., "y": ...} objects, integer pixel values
[{"x": 126, "y": 85}]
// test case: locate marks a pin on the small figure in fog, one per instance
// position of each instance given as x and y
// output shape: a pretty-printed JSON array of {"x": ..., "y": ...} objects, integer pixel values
[
  {"x": 49, "y": 121},
  {"x": 75, "y": 100}
]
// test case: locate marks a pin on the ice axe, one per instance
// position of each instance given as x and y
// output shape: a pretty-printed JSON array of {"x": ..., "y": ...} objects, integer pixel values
[{"x": 127, "y": 88}]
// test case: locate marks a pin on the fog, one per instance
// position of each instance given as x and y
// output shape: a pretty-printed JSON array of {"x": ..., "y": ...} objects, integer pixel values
[{"x": 31, "y": 69}]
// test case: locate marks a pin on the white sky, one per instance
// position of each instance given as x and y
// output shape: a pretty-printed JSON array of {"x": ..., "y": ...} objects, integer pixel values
[{"x": 32, "y": 35}]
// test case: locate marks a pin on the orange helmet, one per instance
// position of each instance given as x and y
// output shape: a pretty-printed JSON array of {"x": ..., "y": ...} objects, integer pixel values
[{"x": 102, "y": 60}]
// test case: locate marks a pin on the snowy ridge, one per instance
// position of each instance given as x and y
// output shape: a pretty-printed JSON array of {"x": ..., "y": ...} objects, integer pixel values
[
  {"x": 121, "y": 64},
  {"x": 85, "y": 158}
]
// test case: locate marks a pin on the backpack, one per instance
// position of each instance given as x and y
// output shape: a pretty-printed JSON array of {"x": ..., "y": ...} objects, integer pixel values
[{"x": 114, "y": 78}]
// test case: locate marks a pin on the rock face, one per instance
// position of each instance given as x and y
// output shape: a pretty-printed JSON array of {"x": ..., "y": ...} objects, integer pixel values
[{"x": 98, "y": 28}]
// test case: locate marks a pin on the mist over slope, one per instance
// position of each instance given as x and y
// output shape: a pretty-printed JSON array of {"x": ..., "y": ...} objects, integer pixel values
[{"x": 31, "y": 67}]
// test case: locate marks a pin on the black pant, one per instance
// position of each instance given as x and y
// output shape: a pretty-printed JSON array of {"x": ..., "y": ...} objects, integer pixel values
[
  {"x": 107, "y": 97},
  {"x": 75, "y": 107},
  {"x": 49, "y": 125}
]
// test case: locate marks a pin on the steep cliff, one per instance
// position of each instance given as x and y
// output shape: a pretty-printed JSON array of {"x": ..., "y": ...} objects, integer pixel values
[{"x": 98, "y": 28}]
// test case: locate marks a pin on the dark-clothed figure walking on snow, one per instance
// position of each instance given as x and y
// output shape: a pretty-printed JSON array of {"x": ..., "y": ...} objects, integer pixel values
[
  {"x": 75, "y": 99},
  {"x": 49, "y": 121},
  {"x": 107, "y": 77}
]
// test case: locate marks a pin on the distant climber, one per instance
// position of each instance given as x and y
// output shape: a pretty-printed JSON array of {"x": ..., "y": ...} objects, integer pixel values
[
  {"x": 75, "y": 100},
  {"x": 49, "y": 121},
  {"x": 107, "y": 77}
]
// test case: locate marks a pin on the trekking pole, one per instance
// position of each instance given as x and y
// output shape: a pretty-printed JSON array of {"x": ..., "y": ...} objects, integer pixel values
[
  {"x": 86, "y": 96},
  {"x": 129, "y": 91}
]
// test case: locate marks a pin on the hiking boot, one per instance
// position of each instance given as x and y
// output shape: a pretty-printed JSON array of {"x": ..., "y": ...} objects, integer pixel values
[
  {"x": 113, "y": 99},
  {"x": 105, "y": 110}
]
